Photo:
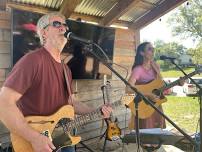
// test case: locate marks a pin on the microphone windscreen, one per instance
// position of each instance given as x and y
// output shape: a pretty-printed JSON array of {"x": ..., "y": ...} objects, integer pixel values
[{"x": 162, "y": 57}]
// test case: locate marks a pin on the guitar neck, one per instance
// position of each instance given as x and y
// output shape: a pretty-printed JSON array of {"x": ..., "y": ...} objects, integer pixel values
[
  {"x": 174, "y": 83},
  {"x": 81, "y": 120}
]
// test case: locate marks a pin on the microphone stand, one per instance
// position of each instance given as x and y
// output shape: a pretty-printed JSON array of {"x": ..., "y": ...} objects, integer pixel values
[
  {"x": 89, "y": 49},
  {"x": 136, "y": 101},
  {"x": 199, "y": 96},
  {"x": 105, "y": 133}
]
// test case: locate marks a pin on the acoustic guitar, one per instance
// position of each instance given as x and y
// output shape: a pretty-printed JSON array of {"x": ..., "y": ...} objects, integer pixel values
[
  {"x": 47, "y": 125},
  {"x": 155, "y": 87}
]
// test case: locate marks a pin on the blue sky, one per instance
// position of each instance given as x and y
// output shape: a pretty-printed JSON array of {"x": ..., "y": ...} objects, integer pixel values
[{"x": 160, "y": 30}]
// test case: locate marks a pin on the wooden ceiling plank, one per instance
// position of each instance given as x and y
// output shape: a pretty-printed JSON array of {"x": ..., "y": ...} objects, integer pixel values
[
  {"x": 68, "y": 7},
  {"x": 155, "y": 13},
  {"x": 118, "y": 10},
  {"x": 30, "y": 8}
]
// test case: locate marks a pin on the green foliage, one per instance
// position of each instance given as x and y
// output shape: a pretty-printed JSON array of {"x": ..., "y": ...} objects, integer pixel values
[
  {"x": 169, "y": 49},
  {"x": 187, "y": 20},
  {"x": 196, "y": 53},
  {"x": 176, "y": 73},
  {"x": 184, "y": 111}
]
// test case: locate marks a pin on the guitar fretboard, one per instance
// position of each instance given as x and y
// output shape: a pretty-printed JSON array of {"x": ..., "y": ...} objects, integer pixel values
[
  {"x": 81, "y": 120},
  {"x": 174, "y": 83}
]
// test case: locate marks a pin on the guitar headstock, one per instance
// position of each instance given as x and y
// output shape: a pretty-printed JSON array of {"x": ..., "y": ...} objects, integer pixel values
[{"x": 127, "y": 98}]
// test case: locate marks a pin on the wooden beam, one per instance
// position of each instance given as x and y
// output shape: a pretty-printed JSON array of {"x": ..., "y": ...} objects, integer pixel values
[
  {"x": 118, "y": 10},
  {"x": 68, "y": 6},
  {"x": 96, "y": 19},
  {"x": 155, "y": 13},
  {"x": 30, "y": 8},
  {"x": 145, "y": 5},
  {"x": 84, "y": 17},
  {"x": 3, "y": 5}
]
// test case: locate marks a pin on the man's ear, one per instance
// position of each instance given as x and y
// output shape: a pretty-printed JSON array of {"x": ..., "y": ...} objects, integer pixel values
[{"x": 43, "y": 33}]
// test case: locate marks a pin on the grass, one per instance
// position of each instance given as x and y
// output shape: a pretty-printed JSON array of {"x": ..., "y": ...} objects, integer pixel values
[
  {"x": 184, "y": 111},
  {"x": 176, "y": 73}
]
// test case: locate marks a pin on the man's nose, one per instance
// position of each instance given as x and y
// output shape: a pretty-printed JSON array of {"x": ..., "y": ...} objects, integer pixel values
[{"x": 63, "y": 28}]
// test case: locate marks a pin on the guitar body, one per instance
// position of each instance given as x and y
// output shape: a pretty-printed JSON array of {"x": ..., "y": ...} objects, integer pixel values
[
  {"x": 113, "y": 130},
  {"x": 146, "y": 110},
  {"x": 47, "y": 124}
]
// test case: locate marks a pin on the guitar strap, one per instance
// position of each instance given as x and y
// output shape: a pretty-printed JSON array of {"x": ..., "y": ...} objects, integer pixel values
[{"x": 70, "y": 99}]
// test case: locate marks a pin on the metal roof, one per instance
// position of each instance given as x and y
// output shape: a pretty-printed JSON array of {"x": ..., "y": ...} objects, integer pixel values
[
  {"x": 95, "y": 7},
  {"x": 101, "y": 8}
]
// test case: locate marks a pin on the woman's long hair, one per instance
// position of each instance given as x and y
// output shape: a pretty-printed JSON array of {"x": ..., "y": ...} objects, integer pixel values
[{"x": 139, "y": 57}]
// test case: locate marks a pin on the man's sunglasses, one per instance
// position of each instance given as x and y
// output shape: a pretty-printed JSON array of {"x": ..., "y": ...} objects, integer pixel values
[{"x": 56, "y": 24}]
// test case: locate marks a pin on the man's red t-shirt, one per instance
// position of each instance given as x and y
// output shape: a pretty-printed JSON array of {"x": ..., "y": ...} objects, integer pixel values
[{"x": 40, "y": 80}]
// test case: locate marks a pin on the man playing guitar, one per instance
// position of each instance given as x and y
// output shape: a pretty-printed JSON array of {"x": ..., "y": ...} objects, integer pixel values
[{"x": 37, "y": 85}]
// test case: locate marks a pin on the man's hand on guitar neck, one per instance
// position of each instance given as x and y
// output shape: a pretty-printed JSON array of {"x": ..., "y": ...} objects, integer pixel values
[
  {"x": 106, "y": 110},
  {"x": 41, "y": 143}
]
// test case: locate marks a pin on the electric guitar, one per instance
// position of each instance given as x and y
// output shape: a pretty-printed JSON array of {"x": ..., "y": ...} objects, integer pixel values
[
  {"x": 155, "y": 87},
  {"x": 113, "y": 131},
  {"x": 64, "y": 118}
]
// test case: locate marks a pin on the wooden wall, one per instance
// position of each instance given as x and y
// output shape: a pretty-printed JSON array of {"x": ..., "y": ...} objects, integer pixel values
[
  {"x": 5, "y": 44},
  {"x": 88, "y": 91},
  {"x": 5, "y": 61}
]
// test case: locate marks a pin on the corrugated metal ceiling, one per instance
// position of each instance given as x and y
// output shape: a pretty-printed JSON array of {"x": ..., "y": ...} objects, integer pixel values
[
  {"x": 97, "y": 8},
  {"x": 44, "y": 3}
]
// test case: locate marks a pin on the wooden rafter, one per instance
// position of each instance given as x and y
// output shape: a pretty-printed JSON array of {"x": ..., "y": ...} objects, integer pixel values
[
  {"x": 84, "y": 17},
  {"x": 68, "y": 6},
  {"x": 155, "y": 13},
  {"x": 30, "y": 8},
  {"x": 96, "y": 19},
  {"x": 118, "y": 10},
  {"x": 145, "y": 5}
]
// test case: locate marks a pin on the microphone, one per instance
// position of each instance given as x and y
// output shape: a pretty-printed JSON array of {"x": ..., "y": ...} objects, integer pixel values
[
  {"x": 163, "y": 57},
  {"x": 72, "y": 36}
]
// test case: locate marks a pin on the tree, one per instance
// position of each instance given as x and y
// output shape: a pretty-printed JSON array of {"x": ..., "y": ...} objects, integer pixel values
[
  {"x": 196, "y": 54},
  {"x": 172, "y": 49},
  {"x": 187, "y": 20}
]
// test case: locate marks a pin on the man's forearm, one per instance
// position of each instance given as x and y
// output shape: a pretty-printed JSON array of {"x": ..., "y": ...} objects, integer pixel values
[
  {"x": 81, "y": 108},
  {"x": 15, "y": 122}
]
